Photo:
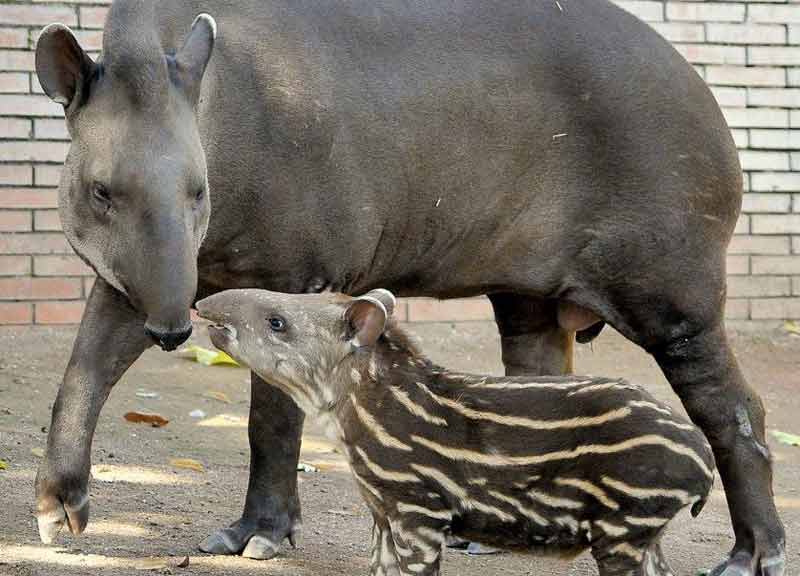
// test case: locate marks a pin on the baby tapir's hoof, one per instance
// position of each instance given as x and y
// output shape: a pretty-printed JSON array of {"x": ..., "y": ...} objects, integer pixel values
[{"x": 630, "y": 559}]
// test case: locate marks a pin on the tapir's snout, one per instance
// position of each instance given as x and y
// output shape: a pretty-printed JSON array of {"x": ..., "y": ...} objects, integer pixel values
[{"x": 169, "y": 340}]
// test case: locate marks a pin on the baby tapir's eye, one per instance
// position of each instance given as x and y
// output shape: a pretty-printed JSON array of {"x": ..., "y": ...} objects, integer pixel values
[{"x": 277, "y": 324}]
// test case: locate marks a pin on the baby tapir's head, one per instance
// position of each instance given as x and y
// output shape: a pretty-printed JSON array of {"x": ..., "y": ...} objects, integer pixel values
[{"x": 306, "y": 344}]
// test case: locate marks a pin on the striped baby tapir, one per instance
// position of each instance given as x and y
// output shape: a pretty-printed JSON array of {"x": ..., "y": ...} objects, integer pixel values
[{"x": 552, "y": 465}]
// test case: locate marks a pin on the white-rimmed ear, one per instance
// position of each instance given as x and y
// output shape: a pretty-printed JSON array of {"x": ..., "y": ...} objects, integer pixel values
[
  {"x": 384, "y": 297},
  {"x": 193, "y": 57},
  {"x": 63, "y": 68},
  {"x": 366, "y": 318}
]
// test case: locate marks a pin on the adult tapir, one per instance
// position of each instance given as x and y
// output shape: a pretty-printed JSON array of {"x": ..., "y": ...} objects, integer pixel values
[{"x": 558, "y": 156}]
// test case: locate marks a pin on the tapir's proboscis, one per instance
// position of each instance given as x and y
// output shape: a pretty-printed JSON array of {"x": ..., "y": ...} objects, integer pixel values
[
  {"x": 512, "y": 462},
  {"x": 560, "y": 157}
]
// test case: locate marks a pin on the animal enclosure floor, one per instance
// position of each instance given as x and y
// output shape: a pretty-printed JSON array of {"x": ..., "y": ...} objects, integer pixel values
[{"x": 147, "y": 514}]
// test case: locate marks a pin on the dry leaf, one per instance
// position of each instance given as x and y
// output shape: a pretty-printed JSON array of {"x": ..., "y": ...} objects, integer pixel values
[
  {"x": 183, "y": 563},
  {"x": 792, "y": 327},
  {"x": 188, "y": 464},
  {"x": 216, "y": 395},
  {"x": 155, "y": 420},
  {"x": 207, "y": 357},
  {"x": 38, "y": 452},
  {"x": 3, "y": 465},
  {"x": 786, "y": 438}
]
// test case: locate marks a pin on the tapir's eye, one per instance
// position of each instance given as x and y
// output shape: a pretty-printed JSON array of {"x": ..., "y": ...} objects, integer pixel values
[
  {"x": 277, "y": 324},
  {"x": 101, "y": 195},
  {"x": 199, "y": 194}
]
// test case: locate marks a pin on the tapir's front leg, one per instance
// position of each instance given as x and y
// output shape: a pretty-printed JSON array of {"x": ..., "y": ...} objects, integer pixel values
[
  {"x": 110, "y": 339},
  {"x": 272, "y": 508}
]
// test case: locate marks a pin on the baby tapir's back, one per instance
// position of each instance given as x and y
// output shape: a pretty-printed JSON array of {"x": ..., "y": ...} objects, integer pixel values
[{"x": 574, "y": 460}]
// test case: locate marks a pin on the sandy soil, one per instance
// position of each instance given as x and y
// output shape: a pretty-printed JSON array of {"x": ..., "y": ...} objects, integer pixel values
[{"x": 148, "y": 515}]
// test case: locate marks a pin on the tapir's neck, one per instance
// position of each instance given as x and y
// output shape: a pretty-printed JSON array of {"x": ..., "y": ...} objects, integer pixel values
[{"x": 363, "y": 386}]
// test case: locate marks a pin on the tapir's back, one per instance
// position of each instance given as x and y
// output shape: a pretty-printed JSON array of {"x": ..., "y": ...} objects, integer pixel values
[{"x": 484, "y": 130}]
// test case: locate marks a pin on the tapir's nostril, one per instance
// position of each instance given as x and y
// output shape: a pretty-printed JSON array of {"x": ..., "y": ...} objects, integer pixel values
[{"x": 169, "y": 340}]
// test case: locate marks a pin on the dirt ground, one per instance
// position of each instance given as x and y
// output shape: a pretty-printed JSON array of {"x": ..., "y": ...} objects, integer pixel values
[{"x": 148, "y": 515}]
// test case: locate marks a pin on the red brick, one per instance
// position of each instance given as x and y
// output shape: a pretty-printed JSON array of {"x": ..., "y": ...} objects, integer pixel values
[
  {"x": 92, "y": 17},
  {"x": 47, "y": 174},
  {"x": 27, "y": 288},
  {"x": 19, "y": 60},
  {"x": 34, "y": 243},
  {"x": 17, "y": 14},
  {"x": 28, "y": 197},
  {"x": 59, "y": 312},
  {"x": 15, "y": 220},
  {"x": 15, "y": 313},
  {"x": 427, "y": 310},
  {"x": 29, "y": 105},
  {"x": 50, "y": 129},
  {"x": 33, "y": 151},
  {"x": 16, "y": 174},
  {"x": 46, "y": 220},
  {"x": 13, "y": 38},
  {"x": 60, "y": 266},
  {"x": 88, "y": 284},
  {"x": 14, "y": 82},
  {"x": 15, "y": 265}
]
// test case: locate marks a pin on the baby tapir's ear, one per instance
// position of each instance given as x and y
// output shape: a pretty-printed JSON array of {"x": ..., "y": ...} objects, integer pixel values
[
  {"x": 385, "y": 297},
  {"x": 366, "y": 318}
]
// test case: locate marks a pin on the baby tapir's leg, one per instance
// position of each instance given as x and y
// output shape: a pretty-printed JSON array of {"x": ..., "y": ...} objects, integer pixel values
[
  {"x": 418, "y": 540},
  {"x": 632, "y": 558},
  {"x": 384, "y": 556}
]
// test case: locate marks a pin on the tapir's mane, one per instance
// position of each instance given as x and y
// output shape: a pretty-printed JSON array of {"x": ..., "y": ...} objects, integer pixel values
[
  {"x": 394, "y": 335},
  {"x": 133, "y": 56}
]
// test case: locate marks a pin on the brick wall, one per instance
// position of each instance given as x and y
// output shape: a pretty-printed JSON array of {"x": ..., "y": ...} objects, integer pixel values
[{"x": 747, "y": 50}]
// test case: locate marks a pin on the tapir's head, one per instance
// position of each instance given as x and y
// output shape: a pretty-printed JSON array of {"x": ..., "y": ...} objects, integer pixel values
[
  {"x": 308, "y": 345},
  {"x": 133, "y": 196}
]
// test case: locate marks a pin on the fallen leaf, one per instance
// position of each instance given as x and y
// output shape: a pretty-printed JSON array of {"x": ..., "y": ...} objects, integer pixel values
[
  {"x": 38, "y": 452},
  {"x": 3, "y": 465},
  {"x": 155, "y": 420},
  {"x": 207, "y": 357},
  {"x": 183, "y": 563},
  {"x": 188, "y": 464},
  {"x": 216, "y": 395},
  {"x": 786, "y": 438},
  {"x": 792, "y": 327},
  {"x": 343, "y": 512}
]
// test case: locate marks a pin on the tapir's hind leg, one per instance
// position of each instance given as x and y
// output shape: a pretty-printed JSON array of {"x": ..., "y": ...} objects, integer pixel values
[
  {"x": 272, "y": 509},
  {"x": 532, "y": 341},
  {"x": 675, "y": 311}
]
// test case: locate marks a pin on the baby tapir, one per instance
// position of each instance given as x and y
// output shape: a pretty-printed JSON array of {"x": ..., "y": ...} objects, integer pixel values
[{"x": 556, "y": 464}]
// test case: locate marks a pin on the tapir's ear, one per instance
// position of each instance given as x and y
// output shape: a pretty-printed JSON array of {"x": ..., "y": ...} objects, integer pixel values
[
  {"x": 385, "y": 297},
  {"x": 366, "y": 317},
  {"x": 195, "y": 54},
  {"x": 63, "y": 68}
]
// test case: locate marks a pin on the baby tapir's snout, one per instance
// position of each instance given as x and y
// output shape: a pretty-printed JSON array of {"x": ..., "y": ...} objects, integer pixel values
[{"x": 559, "y": 464}]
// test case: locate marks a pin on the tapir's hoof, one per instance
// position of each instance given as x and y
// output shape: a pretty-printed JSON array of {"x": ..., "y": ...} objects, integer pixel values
[
  {"x": 221, "y": 543},
  {"x": 261, "y": 548},
  {"x": 257, "y": 545},
  {"x": 53, "y": 512},
  {"x": 741, "y": 563},
  {"x": 477, "y": 549}
]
